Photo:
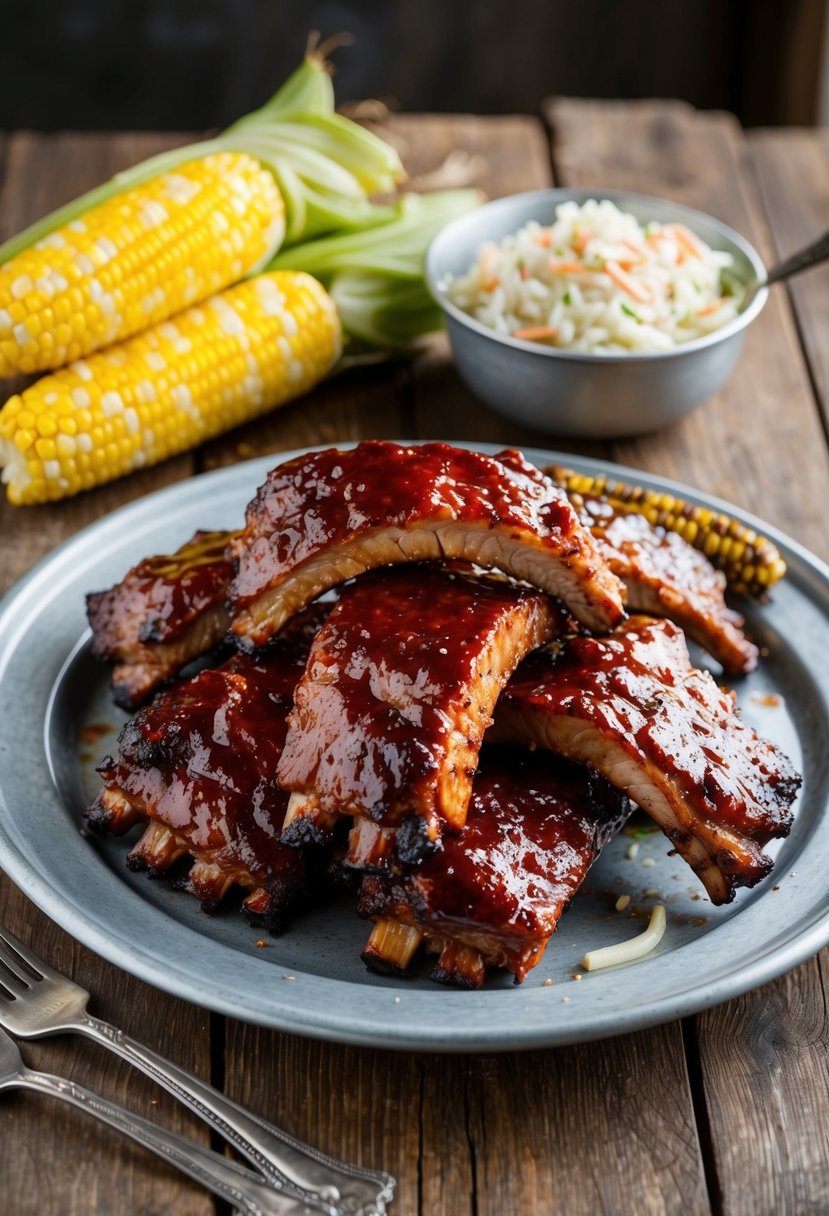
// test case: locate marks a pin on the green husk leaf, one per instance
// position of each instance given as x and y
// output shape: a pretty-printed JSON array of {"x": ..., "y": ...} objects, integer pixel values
[
  {"x": 394, "y": 245},
  {"x": 326, "y": 165},
  {"x": 375, "y": 276},
  {"x": 308, "y": 90},
  {"x": 381, "y": 311},
  {"x": 317, "y": 172}
]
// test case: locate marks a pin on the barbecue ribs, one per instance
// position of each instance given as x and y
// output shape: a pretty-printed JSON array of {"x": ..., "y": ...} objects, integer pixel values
[
  {"x": 165, "y": 612},
  {"x": 493, "y": 895},
  {"x": 632, "y": 707},
  {"x": 200, "y": 764},
  {"x": 329, "y": 516},
  {"x": 400, "y": 687},
  {"x": 665, "y": 576}
]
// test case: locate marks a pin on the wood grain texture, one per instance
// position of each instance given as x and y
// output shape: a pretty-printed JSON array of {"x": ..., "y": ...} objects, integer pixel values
[
  {"x": 369, "y": 403},
  {"x": 759, "y": 442},
  {"x": 792, "y": 169},
  {"x": 586, "y": 1129},
  {"x": 360, "y": 1105},
  {"x": 765, "y": 1066},
  {"x": 54, "y": 1162}
]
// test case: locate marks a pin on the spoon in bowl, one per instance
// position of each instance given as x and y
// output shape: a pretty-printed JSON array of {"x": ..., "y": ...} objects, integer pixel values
[{"x": 812, "y": 255}]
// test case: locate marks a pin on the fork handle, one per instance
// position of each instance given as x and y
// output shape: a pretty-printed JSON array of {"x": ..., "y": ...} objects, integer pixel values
[
  {"x": 239, "y": 1186},
  {"x": 353, "y": 1190}
]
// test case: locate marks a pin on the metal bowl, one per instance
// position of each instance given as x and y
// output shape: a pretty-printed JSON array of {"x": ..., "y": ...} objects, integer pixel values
[{"x": 570, "y": 393}]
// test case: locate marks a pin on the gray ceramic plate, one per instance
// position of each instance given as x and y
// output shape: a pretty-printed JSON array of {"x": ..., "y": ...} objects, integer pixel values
[{"x": 57, "y": 721}]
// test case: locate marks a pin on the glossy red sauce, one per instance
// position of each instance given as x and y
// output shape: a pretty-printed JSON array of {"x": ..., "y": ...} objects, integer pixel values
[
  {"x": 178, "y": 589},
  {"x": 393, "y": 705},
  {"x": 534, "y": 827},
  {"x": 666, "y": 575},
  {"x": 202, "y": 757},
  {"x": 161, "y": 596},
  {"x": 662, "y": 555},
  {"x": 328, "y": 498},
  {"x": 637, "y": 686}
]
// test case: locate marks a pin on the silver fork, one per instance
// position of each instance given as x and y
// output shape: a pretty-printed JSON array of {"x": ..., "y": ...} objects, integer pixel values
[
  {"x": 239, "y": 1186},
  {"x": 36, "y": 1000}
]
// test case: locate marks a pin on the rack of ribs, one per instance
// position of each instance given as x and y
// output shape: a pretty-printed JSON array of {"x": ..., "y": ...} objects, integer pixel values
[
  {"x": 199, "y": 763},
  {"x": 165, "y": 612},
  {"x": 665, "y": 576},
  {"x": 471, "y": 589},
  {"x": 631, "y": 706},
  {"x": 400, "y": 686},
  {"x": 494, "y": 894},
  {"x": 328, "y": 516}
]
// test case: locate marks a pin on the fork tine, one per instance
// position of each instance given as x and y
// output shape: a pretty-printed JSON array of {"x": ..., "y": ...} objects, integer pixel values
[
  {"x": 13, "y": 982},
  {"x": 16, "y": 954}
]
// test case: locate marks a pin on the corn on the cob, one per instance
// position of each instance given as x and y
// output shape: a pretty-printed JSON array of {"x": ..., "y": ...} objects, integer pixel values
[
  {"x": 215, "y": 366},
  {"x": 137, "y": 259},
  {"x": 751, "y": 563}
]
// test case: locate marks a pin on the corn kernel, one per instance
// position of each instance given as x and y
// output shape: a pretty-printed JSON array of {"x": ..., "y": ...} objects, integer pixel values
[{"x": 47, "y": 424}]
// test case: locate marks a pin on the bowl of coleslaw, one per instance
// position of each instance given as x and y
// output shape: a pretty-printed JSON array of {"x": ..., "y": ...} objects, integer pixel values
[{"x": 593, "y": 314}]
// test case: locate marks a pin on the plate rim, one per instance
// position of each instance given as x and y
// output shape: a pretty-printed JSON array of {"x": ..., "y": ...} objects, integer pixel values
[{"x": 788, "y": 949}]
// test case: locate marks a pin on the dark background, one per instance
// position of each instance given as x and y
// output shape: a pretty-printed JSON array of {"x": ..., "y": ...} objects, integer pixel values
[{"x": 194, "y": 64}]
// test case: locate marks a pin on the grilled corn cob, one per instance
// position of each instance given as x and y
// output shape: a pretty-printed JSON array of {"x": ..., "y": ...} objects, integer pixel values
[
  {"x": 253, "y": 347},
  {"x": 751, "y": 563},
  {"x": 136, "y": 260}
]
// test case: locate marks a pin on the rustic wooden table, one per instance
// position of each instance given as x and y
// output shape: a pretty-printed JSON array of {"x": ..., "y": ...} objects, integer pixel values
[{"x": 726, "y": 1112}]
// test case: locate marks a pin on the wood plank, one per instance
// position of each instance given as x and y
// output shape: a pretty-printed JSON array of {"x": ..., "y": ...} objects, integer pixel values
[
  {"x": 761, "y": 59},
  {"x": 58, "y": 1162},
  {"x": 759, "y": 442},
  {"x": 792, "y": 169},
  {"x": 367, "y": 403},
  {"x": 781, "y": 53},
  {"x": 52, "y": 1161},
  {"x": 360, "y": 1105},
  {"x": 765, "y": 1063},
  {"x": 602, "y": 1127},
  {"x": 525, "y": 1116}
]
